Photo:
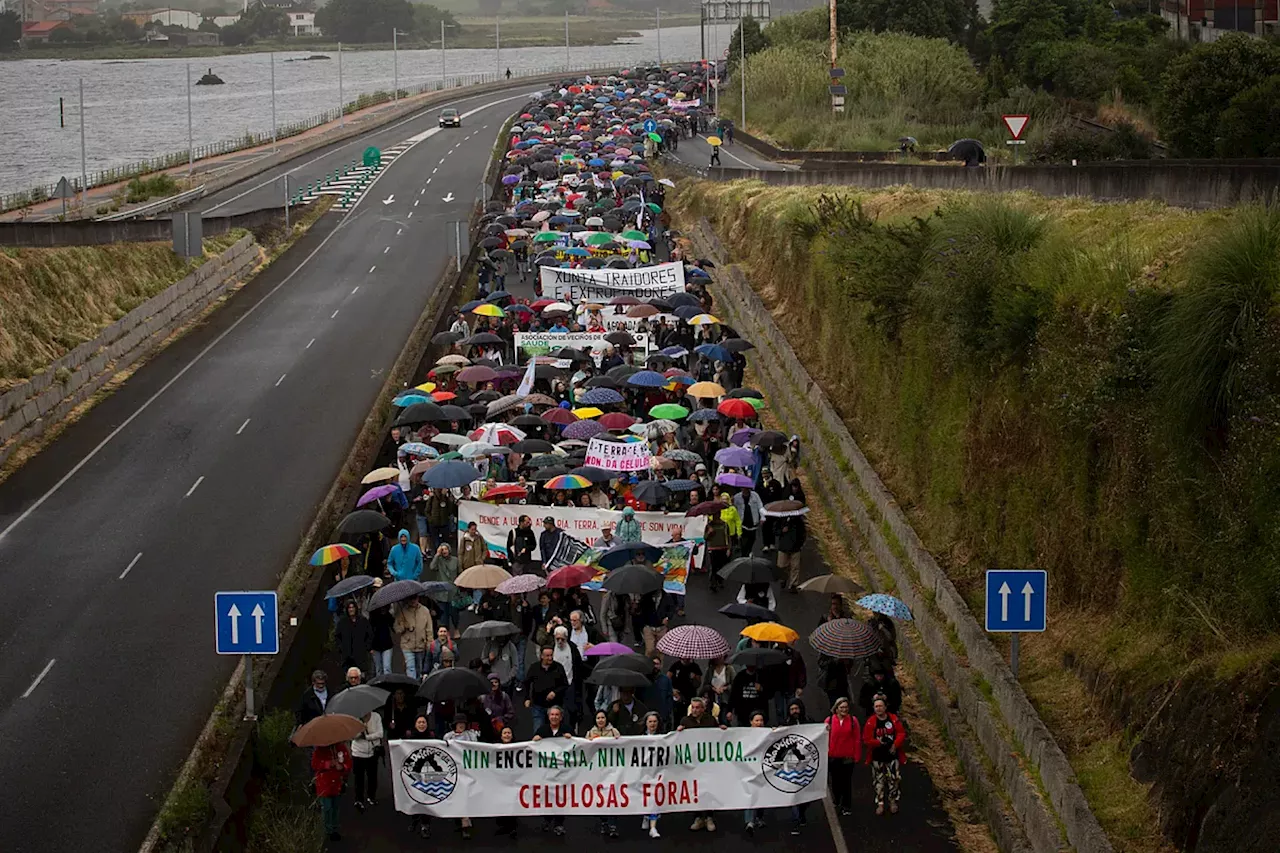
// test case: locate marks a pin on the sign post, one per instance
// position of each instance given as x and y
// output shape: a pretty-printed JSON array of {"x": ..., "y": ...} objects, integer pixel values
[
  {"x": 64, "y": 192},
  {"x": 1017, "y": 601},
  {"x": 1016, "y": 125},
  {"x": 246, "y": 623}
]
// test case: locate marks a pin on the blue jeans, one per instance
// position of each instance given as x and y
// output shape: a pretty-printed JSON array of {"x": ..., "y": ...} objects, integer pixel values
[
  {"x": 382, "y": 662},
  {"x": 539, "y": 716},
  {"x": 448, "y": 614},
  {"x": 750, "y": 816},
  {"x": 443, "y": 534},
  {"x": 415, "y": 664},
  {"x": 329, "y": 809},
  {"x": 522, "y": 646}
]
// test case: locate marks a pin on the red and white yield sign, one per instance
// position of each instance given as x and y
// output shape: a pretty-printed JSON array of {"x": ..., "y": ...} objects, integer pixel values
[{"x": 1016, "y": 125}]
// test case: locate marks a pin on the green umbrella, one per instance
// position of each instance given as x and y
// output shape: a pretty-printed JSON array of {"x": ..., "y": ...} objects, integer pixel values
[
  {"x": 452, "y": 454},
  {"x": 547, "y": 236},
  {"x": 599, "y": 239},
  {"x": 655, "y": 137},
  {"x": 652, "y": 208},
  {"x": 669, "y": 411},
  {"x": 756, "y": 402},
  {"x": 633, "y": 234},
  {"x": 445, "y": 369}
]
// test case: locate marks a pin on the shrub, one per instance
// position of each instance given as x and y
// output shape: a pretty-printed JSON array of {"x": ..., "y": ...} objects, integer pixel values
[
  {"x": 1250, "y": 126},
  {"x": 142, "y": 188},
  {"x": 1201, "y": 83}
]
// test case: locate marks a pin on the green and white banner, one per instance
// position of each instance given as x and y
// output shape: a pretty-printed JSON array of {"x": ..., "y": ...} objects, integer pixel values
[{"x": 694, "y": 770}]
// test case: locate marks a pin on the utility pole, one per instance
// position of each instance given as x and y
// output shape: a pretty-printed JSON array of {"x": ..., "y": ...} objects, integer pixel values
[
  {"x": 497, "y": 42},
  {"x": 395, "y": 65},
  {"x": 274, "y": 140},
  {"x": 831, "y": 6},
  {"x": 191, "y": 148},
  {"x": 567, "y": 66},
  {"x": 84, "y": 167},
  {"x": 342, "y": 107},
  {"x": 658, "y": 14},
  {"x": 442, "y": 68},
  {"x": 742, "y": 64}
]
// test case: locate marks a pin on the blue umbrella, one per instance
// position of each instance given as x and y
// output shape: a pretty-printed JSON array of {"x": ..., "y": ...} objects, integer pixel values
[
  {"x": 472, "y": 304},
  {"x": 417, "y": 448},
  {"x": 620, "y": 555},
  {"x": 696, "y": 272},
  {"x": 704, "y": 415},
  {"x": 578, "y": 252},
  {"x": 711, "y": 351},
  {"x": 496, "y": 295},
  {"x": 595, "y": 162},
  {"x": 452, "y": 474},
  {"x": 674, "y": 352},
  {"x": 600, "y": 397},
  {"x": 687, "y": 312},
  {"x": 559, "y": 220},
  {"x": 892, "y": 607},
  {"x": 681, "y": 485},
  {"x": 648, "y": 379},
  {"x": 410, "y": 398}
]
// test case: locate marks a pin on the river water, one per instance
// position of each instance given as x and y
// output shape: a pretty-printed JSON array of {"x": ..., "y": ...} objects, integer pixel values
[{"x": 137, "y": 109}]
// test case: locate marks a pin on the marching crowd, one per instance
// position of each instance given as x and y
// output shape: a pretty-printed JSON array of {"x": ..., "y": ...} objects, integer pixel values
[{"x": 498, "y": 641}]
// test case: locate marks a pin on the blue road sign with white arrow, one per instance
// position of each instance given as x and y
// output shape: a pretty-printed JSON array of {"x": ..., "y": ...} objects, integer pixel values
[
  {"x": 650, "y": 126},
  {"x": 246, "y": 623},
  {"x": 1016, "y": 600}
]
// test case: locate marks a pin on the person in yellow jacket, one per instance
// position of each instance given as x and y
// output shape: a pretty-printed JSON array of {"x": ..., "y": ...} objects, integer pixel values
[{"x": 730, "y": 516}]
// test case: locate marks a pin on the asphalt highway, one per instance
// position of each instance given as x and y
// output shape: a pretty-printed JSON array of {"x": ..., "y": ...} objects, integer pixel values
[{"x": 198, "y": 475}]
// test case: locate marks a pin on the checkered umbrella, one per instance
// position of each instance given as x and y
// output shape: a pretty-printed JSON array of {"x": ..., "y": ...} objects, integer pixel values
[
  {"x": 693, "y": 641},
  {"x": 520, "y": 584},
  {"x": 846, "y": 639}
]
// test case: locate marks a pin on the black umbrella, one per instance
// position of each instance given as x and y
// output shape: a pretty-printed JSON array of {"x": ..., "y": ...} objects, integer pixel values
[
  {"x": 528, "y": 421},
  {"x": 677, "y": 299},
  {"x": 420, "y": 413},
  {"x": 622, "y": 339},
  {"x": 627, "y": 660},
  {"x": 651, "y": 492},
  {"x": 544, "y": 460},
  {"x": 542, "y": 475},
  {"x": 768, "y": 439},
  {"x": 632, "y": 580},
  {"x": 594, "y": 474},
  {"x": 748, "y": 570},
  {"x": 737, "y": 345},
  {"x": 395, "y": 591},
  {"x": 758, "y": 657},
  {"x": 357, "y": 701},
  {"x": 445, "y": 339},
  {"x": 482, "y": 338},
  {"x": 745, "y": 392},
  {"x": 346, "y": 586},
  {"x": 616, "y": 676},
  {"x": 490, "y": 628},
  {"x": 750, "y": 612},
  {"x": 456, "y": 413},
  {"x": 603, "y": 382},
  {"x": 392, "y": 680},
  {"x": 533, "y": 445},
  {"x": 452, "y": 684},
  {"x": 361, "y": 521}
]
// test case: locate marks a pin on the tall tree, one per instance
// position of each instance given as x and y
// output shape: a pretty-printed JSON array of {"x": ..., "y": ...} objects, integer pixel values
[
  {"x": 364, "y": 21},
  {"x": 949, "y": 19},
  {"x": 1200, "y": 84},
  {"x": 10, "y": 30},
  {"x": 754, "y": 36}
]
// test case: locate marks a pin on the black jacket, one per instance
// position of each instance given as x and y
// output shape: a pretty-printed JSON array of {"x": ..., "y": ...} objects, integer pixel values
[
  {"x": 744, "y": 698},
  {"x": 891, "y": 689},
  {"x": 539, "y": 682},
  {"x": 354, "y": 638},
  {"x": 791, "y": 534},
  {"x": 544, "y": 731},
  {"x": 309, "y": 707},
  {"x": 520, "y": 545},
  {"x": 628, "y": 722}
]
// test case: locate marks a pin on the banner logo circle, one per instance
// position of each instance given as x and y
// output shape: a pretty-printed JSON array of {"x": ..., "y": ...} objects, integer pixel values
[
  {"x": 429, "y": 775},
  {"x": 791, "y": 763}
]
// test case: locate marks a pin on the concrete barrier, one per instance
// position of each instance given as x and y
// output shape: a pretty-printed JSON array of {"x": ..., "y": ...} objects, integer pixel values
[
  {"x": 1045, "y": 795},
  {"x": 28, "y": 409},
  {"x": 1196, "y": 185},
  {"x": 85, "y": 232}
]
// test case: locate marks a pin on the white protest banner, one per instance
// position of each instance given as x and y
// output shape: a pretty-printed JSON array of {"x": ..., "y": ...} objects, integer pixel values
[
  {"x": 495, "y": 521},
  {"x": 541, "y": 343},
  {"x": 587, "y": 285},
  {"x": 702, "y": 770},
  {"x": 618, "y": 456}
]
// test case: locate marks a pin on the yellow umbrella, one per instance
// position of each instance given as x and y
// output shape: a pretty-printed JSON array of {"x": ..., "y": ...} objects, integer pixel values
[
  {"x": 713, "y": 140},
  {"x": 426, "y": 387},
  {"x": 588, "y": 412},
  {"x": 617, "y": 175},
  {"x": 488, "y": 309},
  {"x": 380, "y": 474},
  {"x": 707, "y": 390},
  {"x": 770, "y": 632},
  {"x": 705, "y": 320}
]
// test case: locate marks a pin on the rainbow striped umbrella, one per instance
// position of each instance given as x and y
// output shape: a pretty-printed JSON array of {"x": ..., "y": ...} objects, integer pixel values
[
  {"x": 568, "y": 481},
  {"x": 332, "y": 554}
]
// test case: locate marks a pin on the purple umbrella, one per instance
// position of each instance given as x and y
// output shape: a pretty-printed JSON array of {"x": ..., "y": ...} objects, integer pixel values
[
  {"x": 582, "y": 430},
  {"x": 377, "y": 493},
  {"x": 740, "y": 481},
  {"x": 511, "y": 179},
  {"x": 742, "y": 436},
  {"x": 604, "y": 649},
  {"x": 735, "y": 457}
]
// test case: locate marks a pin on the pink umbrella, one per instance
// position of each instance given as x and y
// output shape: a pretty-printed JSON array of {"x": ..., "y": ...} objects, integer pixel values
[
  {"x": 693, "y": 641},
  {"x": 605, "y": 649},
  {"x": 377, "y": 493},
  {"x": 520, "y": 584}
]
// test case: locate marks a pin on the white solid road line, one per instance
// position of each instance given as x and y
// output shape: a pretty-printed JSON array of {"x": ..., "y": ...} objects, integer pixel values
[
  {"x": 197, "y": 483},
  {"x": 833, "y": 823},
  {"x": 310, "y": 342},
  {"x": 372, "y": 268},
  {"x": 246, "y": 420},
  {"x": 40, "y": 677},
  {"x": 417, "y": 201},
  {"x": 98, "y": 448},
  {"x": 388, "y": 249},
  {"x": 334, "y": 314},
  {"x": 411, "y": 214},
  {"x": 354, "y": 289},
  {"x": 399, "y": 231},
  {"x": 134, "y": 561},
  {"x": 422, "y": 191},
  {"x": 281, "y": 379}
]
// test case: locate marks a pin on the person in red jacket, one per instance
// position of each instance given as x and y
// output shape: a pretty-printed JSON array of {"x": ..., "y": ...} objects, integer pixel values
[
  {"x": 331, "y": 764},
  {"x": 844, "y": 749},
  {"x": 882, "y": 738}
]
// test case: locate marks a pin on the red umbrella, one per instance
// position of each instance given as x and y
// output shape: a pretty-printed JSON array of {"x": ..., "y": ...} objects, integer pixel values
[
  {"x": 731, "y": 408},
  {"x": 562, "y": 417},
  {"x": 616, "y": 420},
  {"x": 506, "y": 490},
  {"x": 707, "y": 508},
  {"x": 569, "y": 577}
]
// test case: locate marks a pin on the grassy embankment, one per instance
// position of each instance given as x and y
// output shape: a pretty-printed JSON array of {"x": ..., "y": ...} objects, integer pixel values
[
  {"x": 471, "y": 33},
  {"x": 1057, "y": 383}
]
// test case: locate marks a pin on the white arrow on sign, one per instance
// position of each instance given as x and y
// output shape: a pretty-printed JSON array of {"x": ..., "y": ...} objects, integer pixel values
[
  {"x": 1004, "y": 602},
  {"x": 389, "y": 199},
  {"x": 258, "y": 613},
  {"x": 449, "y": 197},
  {"x": 234, "y": 613},
  {"x": 1027, "y": 592}
]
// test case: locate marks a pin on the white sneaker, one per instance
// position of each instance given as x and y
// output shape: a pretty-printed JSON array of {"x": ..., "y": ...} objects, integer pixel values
[
  {"x": 698, "y": 824},
  {"x": 711, "y": 825},
  {"x": 644, "y": 824},
  {"x": 653, "y": 830}
]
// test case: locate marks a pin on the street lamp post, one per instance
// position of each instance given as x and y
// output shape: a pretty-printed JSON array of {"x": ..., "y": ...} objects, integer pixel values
[
  {"x": 658, "y": 14},
  {"x": 742, "y": 63},
  {"x": 497, "y": 42},
  {"x": 273, "y": 99},
  {"x": 342, "y": 107},
  {"x": 567, "y": 66},
  {"x": 395, "y": 63},
  {"x": 191, "y": 150},
  {"x": 84, "y": 161}
]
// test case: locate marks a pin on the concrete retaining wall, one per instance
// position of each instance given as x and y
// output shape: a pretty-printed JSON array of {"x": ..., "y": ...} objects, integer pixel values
[
  {"x": 1198, "y": 185},
  {"x": 28, "y": 409},
  {"x": 87, "y": 232},
  {"x": 1052, "y": 811}
]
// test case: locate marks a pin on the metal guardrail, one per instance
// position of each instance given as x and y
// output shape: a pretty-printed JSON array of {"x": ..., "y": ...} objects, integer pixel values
[{"x": 158, "y": 206}]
